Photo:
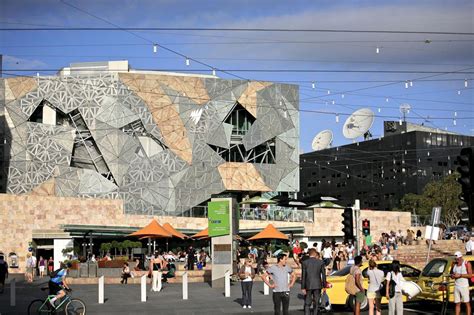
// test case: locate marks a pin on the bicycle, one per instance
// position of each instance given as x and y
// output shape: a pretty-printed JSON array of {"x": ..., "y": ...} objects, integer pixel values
[{"x": 70, "y": 305}]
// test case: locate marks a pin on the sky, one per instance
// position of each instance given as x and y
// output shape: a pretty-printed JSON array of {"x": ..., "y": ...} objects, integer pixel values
[{"x": 439, "y": 66}]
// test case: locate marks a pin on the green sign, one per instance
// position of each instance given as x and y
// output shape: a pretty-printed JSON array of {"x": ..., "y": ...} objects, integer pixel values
[{"x": 218, "y": 216}]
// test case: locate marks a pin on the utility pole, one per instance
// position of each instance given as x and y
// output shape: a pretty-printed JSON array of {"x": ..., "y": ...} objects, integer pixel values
[{"x": 357, "y": 225}]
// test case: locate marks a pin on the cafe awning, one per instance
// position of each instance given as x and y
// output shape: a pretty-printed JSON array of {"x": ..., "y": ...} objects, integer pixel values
[
  {"x": 152, "y": 230},
  {"x": 175, "y": 233},
  {"x": 270, "y": 232}
]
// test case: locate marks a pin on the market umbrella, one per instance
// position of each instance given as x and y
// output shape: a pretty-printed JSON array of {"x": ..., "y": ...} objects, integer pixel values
[
  {"x": 270, "y": 232},
  {"x": 257, "y": 200},
  {"x": 326, "y": 204},
  {"x": 152, "y": 230},
  {"x": 175, "y": 233},
  {"x": 201, "y": 235}
]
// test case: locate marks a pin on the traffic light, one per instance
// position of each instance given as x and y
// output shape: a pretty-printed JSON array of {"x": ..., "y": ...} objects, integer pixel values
[
  {"x": 348, "y": 224},
  {"x": 466, "y": 170},
  {"x": 366, "y": 227}
]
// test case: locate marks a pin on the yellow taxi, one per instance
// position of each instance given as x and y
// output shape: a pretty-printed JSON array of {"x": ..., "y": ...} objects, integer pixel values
[
  {"x": 337, "y": 280},
  {"x": 436, "y": 283}
]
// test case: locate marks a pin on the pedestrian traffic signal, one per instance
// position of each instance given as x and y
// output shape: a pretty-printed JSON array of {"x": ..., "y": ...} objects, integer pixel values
[
  {"x": 466, "y": 179},
  {"x": 348, "y": 224},
  {"x": 366, "y": 227}
]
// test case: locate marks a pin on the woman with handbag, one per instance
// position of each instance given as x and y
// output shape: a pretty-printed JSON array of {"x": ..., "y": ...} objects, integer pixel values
[
  {"x": 246, "y": 275},
  {"x": 376, "y": 278},
  {"x": 355, "y": 287},
  {"x": 395, "y": 302}
]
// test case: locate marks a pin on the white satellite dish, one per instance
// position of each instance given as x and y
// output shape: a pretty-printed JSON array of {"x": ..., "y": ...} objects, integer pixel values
[
  {"x": 358, "y": 123},
  {"x": 322, "y": 140}
]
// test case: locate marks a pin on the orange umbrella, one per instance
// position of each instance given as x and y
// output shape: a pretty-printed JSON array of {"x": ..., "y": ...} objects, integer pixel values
[
  {"x": 168, "y": 227},
  {"x": 203, "y": 234},
  {"x": 270, "y": 232},
  {"x": 152, "y": 230}
]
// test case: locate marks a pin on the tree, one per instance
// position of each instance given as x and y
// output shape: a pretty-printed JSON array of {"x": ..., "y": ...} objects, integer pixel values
[
  {"x": 438, "y": 193},
  {"x": 115, "y": 246},
  {"x": 127, "y": 244}
]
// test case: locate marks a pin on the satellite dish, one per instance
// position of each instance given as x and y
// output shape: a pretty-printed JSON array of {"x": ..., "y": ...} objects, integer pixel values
[
  {"x": 322, "y": 140},
  {"x": 358, "y": 123}
]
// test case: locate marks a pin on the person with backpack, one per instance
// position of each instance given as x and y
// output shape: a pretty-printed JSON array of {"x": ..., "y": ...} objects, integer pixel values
[
  {"x": 58, "y": 283},
  {"x": 462, "y": 272},
  {"x": 395, "y": 303},
  {"x": 357, "y": 274},
  {"x": 3, "y": 272}
]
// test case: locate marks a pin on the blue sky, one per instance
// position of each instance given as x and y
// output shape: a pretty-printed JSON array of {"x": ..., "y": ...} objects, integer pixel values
[{"x": 435, "y": 101}]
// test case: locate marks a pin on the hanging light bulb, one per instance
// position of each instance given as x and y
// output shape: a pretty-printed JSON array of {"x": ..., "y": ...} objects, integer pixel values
[
  {"x": 188, "y": 62},
  {"x": 405, "y": 151},
  {"x": 379, "y": 109},
  {"x": 337, "y": 118},
  {"x": 347, "y": 167},
  {"x": 377, "y": 50},
  {"x": 411, "y": 82},
  {"x": 329, "y": 92},
  {"x": 213, "y": 72},
  {"x": 335, "y": 158},
  {"x": 333, "y": 102},
  {"x": 342, "y": 95},
  {"x": 455, "y": 114},
  {"x": 465, "y": 83},
  {"x": 313, "y": 85},
  {"x": 459, "y": 92},
  {"x": 406, "y": 84},
  {"x": 454, "y": 122},
  {"x": 155, "y": 48},
  {"x": 386, "y": 100},
  {"x": 428, "y": 153}
]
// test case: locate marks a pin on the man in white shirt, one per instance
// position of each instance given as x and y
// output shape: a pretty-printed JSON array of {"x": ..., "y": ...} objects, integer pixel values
[{"x": 462, "y": 271}]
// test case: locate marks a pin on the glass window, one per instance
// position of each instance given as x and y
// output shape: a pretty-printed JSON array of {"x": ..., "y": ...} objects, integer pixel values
[
  {"x": 343, "y": 272},
  {"x": 435, "y": 268},
  {"x": 408, "y": 271}
]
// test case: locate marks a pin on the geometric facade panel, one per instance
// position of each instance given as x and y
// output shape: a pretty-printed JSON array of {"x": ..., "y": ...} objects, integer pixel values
[{"x": 161, "y": 143}]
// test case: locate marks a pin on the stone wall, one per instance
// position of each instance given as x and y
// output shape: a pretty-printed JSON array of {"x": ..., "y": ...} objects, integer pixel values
[{"x": 21, "y": 215}]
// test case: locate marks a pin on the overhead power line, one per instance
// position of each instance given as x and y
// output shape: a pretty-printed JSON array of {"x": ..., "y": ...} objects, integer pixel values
[{"x": 210, "y": 29}]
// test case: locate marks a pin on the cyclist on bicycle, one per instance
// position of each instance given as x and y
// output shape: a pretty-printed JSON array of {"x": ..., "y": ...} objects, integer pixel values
[{"x": 57, "y": 282}]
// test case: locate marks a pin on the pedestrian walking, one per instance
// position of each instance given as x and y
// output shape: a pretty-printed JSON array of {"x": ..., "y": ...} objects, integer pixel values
[
  {"x": 30, "y": 265},
  {"x": 41, "y": 266},
  {"x": 462, "y": 272},
  {"x": 247, "y": 274},
  {"x": 313, "y": 280},
  {"x": 3, "y": 272},
  {"x": 50, "y": 265},
  {"x": 395, "y": 303},
  {"x": 357, "y": 274},
  {"x": 376, "y": 278},
  {"x": 469, "y": 245},
  {"x": 279, "y": 283},
  {"x": 190, "y": 258}
]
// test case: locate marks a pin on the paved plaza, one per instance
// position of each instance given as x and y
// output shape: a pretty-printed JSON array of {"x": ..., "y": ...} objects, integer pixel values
[{"x": 125, "y": 299}]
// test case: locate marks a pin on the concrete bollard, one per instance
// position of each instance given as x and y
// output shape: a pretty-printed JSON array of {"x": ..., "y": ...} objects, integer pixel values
[
  {"x": 143, "y": 288},
  {"x": 13, "y": 292},
  {"x": 266, "y": 289},
  {"x": 185, "y": 286},
  {"x": 160, "y": 284},
  {"x": 101, "y": 290},
  {"x": 227, "y": 283}
]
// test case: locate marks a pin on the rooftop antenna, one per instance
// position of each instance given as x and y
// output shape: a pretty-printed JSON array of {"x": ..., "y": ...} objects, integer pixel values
[
  {"x": 322, "y": 140},
  {"x": 405, "y": 109},
  {"x": 358, "y": 123}
]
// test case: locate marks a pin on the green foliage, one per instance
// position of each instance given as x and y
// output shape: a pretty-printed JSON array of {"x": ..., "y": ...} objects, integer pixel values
[
  {"x": 443, "y": 193},
  {"x": 303, "y": 245},
  {"x": 67, "y": 250}
]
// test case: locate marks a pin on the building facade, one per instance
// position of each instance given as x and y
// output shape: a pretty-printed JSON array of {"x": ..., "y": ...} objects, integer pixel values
[
  {"x": 381, "y": 171},
  {"x": 161, "y": 142}
]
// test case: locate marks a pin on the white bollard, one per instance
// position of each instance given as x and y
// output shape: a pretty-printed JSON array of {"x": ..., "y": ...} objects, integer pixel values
[
  {"x": 227, "y": 284},
  {"x": 13, "y": 292},
  {"x": 160, "y": 285},
  {"x": 143, "y": 288},
  {"x": 266, "y": 289},
  {"x": 101, "y": 290},
  {"x": 185, "y": 286}
]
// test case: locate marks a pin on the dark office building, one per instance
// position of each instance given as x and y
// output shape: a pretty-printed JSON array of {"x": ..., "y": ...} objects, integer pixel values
[{"x": 379, "y": 172}]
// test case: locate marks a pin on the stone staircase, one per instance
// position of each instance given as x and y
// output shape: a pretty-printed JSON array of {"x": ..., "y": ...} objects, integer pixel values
[{"x": 416, "y": 254}]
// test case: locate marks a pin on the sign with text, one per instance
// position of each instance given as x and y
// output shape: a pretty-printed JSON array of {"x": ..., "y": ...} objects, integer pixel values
[{"x": 218, "y": 218}]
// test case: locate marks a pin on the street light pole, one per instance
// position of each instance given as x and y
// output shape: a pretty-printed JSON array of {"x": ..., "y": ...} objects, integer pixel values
[{"x": 356, "y": 218}]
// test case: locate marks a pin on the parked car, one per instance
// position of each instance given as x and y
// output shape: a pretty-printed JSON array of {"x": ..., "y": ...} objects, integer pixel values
[
  {"x": 434, "y": 274},
  {"x": 337, "y": 293}
]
